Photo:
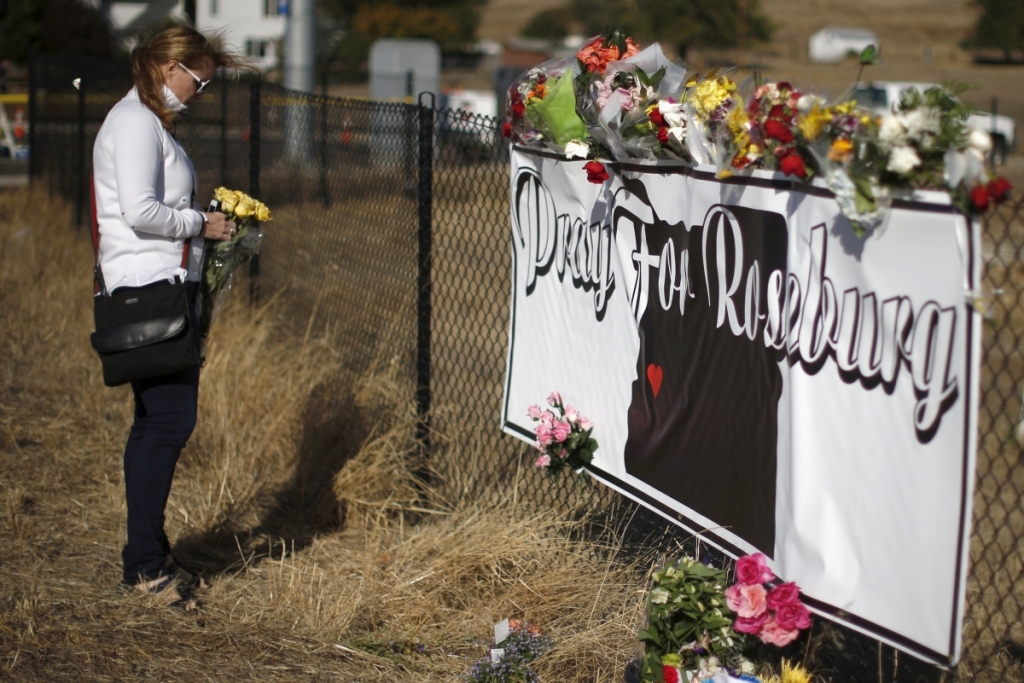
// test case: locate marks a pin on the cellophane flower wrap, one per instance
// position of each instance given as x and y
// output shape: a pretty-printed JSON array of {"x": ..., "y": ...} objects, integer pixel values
[
  {"x": 563, "y": 436},
  {"x": 221, "y": 258},
  {"x": 635, "y": 104},
  {"x": 542, "y": 106}
]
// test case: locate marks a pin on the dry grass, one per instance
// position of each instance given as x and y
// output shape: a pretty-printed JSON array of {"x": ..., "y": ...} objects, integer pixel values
[{"x": 297, "y": 495}]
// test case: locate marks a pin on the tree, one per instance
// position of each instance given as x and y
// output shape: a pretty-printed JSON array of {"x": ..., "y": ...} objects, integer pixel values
[
  {"x": 452, "y": 23},
  {"x": 681, "y": 23},
  {"x": 55, "y": 26},
  {"x": 1000, "y": 25},
  {"x": 551, "y": 24}
]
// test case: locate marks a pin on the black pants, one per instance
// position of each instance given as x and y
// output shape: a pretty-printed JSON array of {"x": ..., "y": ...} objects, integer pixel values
[{"x": 165, "y": 415}]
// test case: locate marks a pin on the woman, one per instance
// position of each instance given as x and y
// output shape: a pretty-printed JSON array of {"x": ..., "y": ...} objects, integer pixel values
[{"x": 145, "y": 189}]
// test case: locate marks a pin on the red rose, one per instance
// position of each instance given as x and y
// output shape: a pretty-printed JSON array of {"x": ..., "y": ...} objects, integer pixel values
[
  {"x": 779, "y": 131},
  {"x": 793, "y": 164},
  {"x": 656, "y": 117},
  {"x": 777, "y": 112},
  {"x": 595, "y": 172},
  {"x": 793, "y": 616},
  {"x": 783, "y": 594},
  {"x": 518, "y": 109},
  {"x": 751, "y": 569},
  {"x": 663, "y": 135},
  {"x": 542, "y": 78},
  {"x": 784, "y": 85},
  {"x": 506, "y": 129},
  {"x": 671, "y": 674},
  {"x": 980, "y": 198},
  {"x": 999, "y": 189}
]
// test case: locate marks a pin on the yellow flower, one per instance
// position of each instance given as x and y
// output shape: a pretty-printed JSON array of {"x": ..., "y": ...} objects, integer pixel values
[
  {"x": 220, "y": 193},
  {"x": 794, "y": 673},
  {"x": 840, "y": 150},
  {"x": 229, "y": 201},
  {"x": 263, "y": 212},
  {"x": 845, "y": 107},
  {"x": 710, "y": 94},
  {"x": 246, "y": 207},
  {"x": 814, "y": 122},
  {"x": 722, "y": 175}
]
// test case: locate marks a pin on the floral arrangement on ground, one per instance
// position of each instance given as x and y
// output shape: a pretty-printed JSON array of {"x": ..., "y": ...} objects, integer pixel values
[
  {"x": 615, "y": 101},
  {"x": 698, "y": 630}
]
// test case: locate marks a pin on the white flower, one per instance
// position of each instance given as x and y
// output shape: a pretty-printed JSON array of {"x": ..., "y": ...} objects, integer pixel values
[
  {"x": 903, "y": 160},
  {"x": 891, "y": 132},
  {"x": 678, "y": 134},
  {"x": 673, "y": 113},
  {"x": 922, "y": 121},
  {"x": 807, "y": 102},
  {"x": 577, "y": 149},
  {"x": 979, "y": 140},
  {"x": 659, "y": 596}
]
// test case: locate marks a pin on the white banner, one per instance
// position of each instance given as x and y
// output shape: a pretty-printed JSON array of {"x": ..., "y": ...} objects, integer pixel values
[{"x": 762, "y": 376}]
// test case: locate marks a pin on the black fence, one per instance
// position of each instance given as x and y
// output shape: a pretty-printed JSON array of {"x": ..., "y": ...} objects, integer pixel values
[{"x": 391, "y": 229}]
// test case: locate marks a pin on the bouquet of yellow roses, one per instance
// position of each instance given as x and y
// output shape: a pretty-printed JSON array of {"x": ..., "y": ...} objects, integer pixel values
[{"x": 221, "y": 258}]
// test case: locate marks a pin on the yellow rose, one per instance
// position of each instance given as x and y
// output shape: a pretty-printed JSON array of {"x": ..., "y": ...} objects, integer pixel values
[
  {"x": 220, "y": 193},
  {"x": 230, "y": 200},
  {"x": 246, "y": 207},
  {"x": 841, "y": 150},
  {"x": 263, "y": 212}
]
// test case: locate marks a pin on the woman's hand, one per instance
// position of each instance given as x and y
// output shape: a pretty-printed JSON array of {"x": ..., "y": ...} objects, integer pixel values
[{"x": 218, "y": 227}]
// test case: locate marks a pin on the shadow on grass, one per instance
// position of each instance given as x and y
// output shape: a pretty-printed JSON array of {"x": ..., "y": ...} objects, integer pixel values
[{"x": 333, "y": 430}]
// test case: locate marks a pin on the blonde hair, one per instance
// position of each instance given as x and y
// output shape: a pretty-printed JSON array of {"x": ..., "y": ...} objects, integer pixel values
[{"x": 177, "y": 44}]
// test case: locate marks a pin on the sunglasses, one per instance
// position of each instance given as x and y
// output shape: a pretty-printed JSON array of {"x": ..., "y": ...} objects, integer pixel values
[{"x": 201, "y": 82}]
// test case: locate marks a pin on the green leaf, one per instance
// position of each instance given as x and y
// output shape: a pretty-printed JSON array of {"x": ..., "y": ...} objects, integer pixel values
[{"x": 869, "y": 55}]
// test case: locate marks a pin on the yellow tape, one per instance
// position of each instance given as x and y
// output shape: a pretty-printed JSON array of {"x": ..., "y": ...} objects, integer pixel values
[{"x": 14, "y": 98}]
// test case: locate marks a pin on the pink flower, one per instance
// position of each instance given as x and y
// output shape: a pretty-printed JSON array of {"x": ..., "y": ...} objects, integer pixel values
[
  {"x": 561, "y": 431},
  {"x": 563, "y": 454},
  {"x": 753, "y": 569},
  {"x": 571, "y": 415},
  {"x": 555, "y": 398},
  {"x": 544, "y": 437},
  {"x": 543, "y": 461},
  {"x": 534, "y": 412},
  {"x": 747, "y": 601},
  {"x": 773, "y": 633},
  {"x": 585, "y": 423},
  {"x": 625, "y": 99},
  {"x": 793, "y": 616},
  {"x": 783, "y": 594},
  {"x": 547, "y": 418},
  {"x": 751, "y": 625}
]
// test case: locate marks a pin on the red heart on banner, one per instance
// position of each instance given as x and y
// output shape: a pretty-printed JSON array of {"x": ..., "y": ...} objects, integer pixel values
[{"x": 654, "y": 375}]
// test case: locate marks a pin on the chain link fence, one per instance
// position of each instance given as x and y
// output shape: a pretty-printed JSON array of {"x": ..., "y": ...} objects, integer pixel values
[{"x": 391, "y": 231}]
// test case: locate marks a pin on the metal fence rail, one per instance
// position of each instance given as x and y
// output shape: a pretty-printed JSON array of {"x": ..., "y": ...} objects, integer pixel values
[{"x": 390, "y": 228}]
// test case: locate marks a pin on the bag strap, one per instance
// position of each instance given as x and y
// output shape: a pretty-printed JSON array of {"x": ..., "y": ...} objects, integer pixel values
[{"x": 98, "y": 285}]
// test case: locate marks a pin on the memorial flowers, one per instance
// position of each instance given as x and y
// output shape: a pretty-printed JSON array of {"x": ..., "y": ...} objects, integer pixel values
[
  {"x": 220, "y": 259},
  {"x": 523, "y": 645},
  {"x": 626, "y": 103},
  {"x": 563, "y": 436},
  {"x": 764, "y": 609}
]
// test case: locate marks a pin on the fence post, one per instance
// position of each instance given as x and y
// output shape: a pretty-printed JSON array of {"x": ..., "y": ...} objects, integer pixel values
[
  {"x": 324, "y": 194},
  {"x": 33, "y": 115},
  {"x": 423, "y": 299},
  {"x": 223, "y": 132},
  {"x": 80, "y": 174},
  {"x": 254, "y": 174}
]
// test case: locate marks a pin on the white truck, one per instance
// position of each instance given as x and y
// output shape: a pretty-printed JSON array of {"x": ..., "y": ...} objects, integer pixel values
[{"x": 883, "y": 96}]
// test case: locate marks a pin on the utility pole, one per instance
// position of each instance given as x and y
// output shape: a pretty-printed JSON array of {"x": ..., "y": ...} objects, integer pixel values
[{"x": 299, "y": 75}]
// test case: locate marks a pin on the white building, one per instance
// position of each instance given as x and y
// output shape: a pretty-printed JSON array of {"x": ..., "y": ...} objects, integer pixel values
[
  {"x": 832, "y": 44},
  {"x": 254, "y": 27}
]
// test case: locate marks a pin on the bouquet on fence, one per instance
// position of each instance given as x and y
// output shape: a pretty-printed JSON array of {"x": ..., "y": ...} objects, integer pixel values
[
  {"x": 222, "y": 258},
  {"x": 563, "y": 436},
  {"x": 695, "y": 630},
  {"x": 618, "y": 102}
]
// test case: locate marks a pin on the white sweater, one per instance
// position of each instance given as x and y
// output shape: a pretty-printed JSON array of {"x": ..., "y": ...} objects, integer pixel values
[{"x": 145, "y": 197}]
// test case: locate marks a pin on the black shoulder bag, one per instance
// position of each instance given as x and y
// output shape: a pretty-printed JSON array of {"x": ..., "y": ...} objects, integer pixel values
[{"x": 142, "y": 332}]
